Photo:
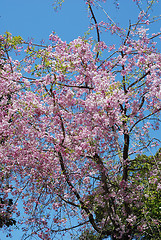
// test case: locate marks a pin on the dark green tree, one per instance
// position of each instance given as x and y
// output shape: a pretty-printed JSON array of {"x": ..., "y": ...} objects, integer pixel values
[{"x": 141, "y": 170}]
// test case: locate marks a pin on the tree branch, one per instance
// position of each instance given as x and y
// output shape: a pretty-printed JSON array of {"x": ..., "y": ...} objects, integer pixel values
[
  {"x": 144, "y": 119},
  {"x": 66, "y": 229},
  {"x": 95, "y": 21},
  {"x": 82, "y": 204},
  {"x": 96, "y": 24},
  {"x": 147, "y": 73}
]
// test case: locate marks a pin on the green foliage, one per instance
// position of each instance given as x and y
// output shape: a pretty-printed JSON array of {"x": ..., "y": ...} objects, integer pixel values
[
  {"x": 140, "y": 172},
  {"x": 10, "y": 42},
  {"x": 144, "y": 166}
]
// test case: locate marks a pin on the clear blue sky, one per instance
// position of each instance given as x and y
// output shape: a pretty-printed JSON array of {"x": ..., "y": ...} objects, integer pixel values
[{"x": 37, "y": 19}]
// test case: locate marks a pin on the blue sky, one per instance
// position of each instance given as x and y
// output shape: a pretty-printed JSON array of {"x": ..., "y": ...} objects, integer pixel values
[{"x": 37, "y": 19}]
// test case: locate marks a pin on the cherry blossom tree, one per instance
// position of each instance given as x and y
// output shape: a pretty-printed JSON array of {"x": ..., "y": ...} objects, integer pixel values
[
  {"x": 73, "y": 117},
  {"x": 7, "y": 90}
]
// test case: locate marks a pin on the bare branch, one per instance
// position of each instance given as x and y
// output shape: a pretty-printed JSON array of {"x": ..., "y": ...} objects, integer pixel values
[
  {"x": 82, "y": 204},
  {"x": 147, "y": 73},
  {"x": 144, "y": 119},
  {"x": 66, "y": 229}
]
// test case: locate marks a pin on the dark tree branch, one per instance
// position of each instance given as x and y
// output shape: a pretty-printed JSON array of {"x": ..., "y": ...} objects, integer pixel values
[
  {"x": 128, "y": 33},
  {"x": 96, "y": 24},
  {"x": 95, "y": 21},
  {"x": 142, "y": 102},
  {"x": 123, "y": 68},
  {"x": 125, "y": 156},
  {"x": 147, "y": 73},
  {"x": 82, "y": 204},
  {"x": 66, "y": 229},
  {"x": 99, "y": 162},
  {"x": 74, "y": 86},
  {"x": 69, "y": 202},
  {"x": 144, "y": 119}
]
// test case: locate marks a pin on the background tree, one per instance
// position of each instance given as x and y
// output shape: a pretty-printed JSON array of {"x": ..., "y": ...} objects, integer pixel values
[
  {"x": 141, "y": 172},
  {"x": 148, "y": 176},
  {"x": 77, "y": 122}
]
